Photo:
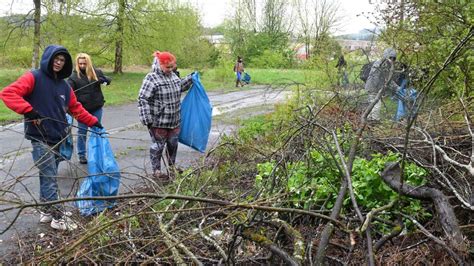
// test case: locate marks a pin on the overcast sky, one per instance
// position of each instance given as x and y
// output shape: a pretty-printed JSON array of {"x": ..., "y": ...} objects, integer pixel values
[{"x": 213, "y": 12}]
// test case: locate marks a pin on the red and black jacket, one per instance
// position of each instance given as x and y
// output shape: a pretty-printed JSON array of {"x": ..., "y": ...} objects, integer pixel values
[{"x": 49, "y": 95}]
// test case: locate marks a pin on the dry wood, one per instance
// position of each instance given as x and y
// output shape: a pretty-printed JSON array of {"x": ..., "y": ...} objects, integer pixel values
[{"x": 391, "y": 176}]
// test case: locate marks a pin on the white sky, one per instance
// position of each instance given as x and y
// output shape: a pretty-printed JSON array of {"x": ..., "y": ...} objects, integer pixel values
[{"x": 213, "y": 12}]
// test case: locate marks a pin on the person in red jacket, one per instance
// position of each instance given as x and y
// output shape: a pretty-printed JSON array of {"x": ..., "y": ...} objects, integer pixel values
[{"x": 44, "y": 97}]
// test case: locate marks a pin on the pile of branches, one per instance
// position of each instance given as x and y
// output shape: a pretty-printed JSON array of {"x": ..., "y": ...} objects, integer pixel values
[
  {"x": 442, "y": 141},
  {"x": 213, "y": 214}
]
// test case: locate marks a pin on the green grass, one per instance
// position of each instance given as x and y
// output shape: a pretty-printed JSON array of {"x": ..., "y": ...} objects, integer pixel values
[
  {"x": 7, "y": 76},
  {"x": 124, "y": 88}
]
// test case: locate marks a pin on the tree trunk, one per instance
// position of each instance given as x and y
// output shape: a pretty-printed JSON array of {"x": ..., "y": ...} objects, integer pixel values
[
  {"x": 36, "y": 37},
  {"x": 119, "y": 38}
]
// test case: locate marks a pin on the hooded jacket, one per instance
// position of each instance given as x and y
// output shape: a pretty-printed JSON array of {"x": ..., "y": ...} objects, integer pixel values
[
  {"x": 50, "y": 95},
  {"x": 159, "y": 98},
  {"x": 380, "y": 72}
]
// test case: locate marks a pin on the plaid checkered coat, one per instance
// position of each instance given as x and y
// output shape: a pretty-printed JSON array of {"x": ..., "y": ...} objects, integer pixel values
[{"x": 159, "y": 98}]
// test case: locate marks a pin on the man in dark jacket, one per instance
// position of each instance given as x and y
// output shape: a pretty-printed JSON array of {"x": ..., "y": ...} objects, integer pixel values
[
  {"x": 44, "y": 97},
  {"x": 85, "y": 81}
]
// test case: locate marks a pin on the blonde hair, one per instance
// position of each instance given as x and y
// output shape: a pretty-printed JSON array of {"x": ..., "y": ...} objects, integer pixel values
[{"x": 90, "y": 73}]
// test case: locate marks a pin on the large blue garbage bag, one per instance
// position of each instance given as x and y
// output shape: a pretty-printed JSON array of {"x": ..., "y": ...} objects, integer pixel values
[
  {"x": 104, "y": 175},
  {"x": 66, "y": 148},
  {"x": 196, "y": 117},
  {"x": 405, "y": 97},
  {"x": 246, "y": 78}
]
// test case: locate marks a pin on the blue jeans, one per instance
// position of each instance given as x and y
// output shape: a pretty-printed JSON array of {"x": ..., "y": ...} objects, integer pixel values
[
  {"x": 239, "y": 75},
  {"x": 82, "y": 133},
  {"x": 47, "y": 159}
]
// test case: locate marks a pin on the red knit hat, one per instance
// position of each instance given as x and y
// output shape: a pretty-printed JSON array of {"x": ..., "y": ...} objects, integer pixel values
[{"x": 165, "y": 57}]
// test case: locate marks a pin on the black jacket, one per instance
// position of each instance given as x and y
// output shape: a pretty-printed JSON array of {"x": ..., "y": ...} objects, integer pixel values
[{"x": 89, "y": 93}]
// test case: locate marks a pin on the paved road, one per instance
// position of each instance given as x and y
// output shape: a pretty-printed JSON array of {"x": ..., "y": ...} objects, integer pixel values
[{"x": 130, "y": 142}]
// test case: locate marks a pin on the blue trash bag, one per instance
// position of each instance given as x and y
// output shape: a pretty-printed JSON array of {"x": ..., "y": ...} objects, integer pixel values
[
  {"x": 405, "y": 97},
  {"x": 104, "y": 175},
  {"x": 246, "y": 78},
  {"x": 196, "y": 117},
  {"x": 66, "y": 148}
]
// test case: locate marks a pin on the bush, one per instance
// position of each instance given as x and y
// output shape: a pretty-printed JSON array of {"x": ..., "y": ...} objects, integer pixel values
[
  {"x": 224, "y": 70},
  {"x": 315, "y": 183},
  {"x": 18, "y": 57},
  {"x": 270, "y": 59}
]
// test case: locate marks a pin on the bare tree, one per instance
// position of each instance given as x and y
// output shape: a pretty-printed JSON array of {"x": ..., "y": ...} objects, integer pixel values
[
  {"x": 37, "y": 33},
  {"x": 273, "y": 20},
  {"x": 316, "y": 20},
  {"x": 249, "y": 9}
]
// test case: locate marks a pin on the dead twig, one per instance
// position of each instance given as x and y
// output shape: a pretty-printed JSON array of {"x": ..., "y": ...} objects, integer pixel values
[
  {"x": 266, "y": 243},
  {"x": 438, "y": 241}
]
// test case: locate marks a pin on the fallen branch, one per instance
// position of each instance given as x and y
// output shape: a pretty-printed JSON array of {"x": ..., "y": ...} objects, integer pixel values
[
  {"x": 266, "y": 243},
  {"x": 228, "y": 204},
  {"x": 373, "y": 212},
  {"x": 212, "y": 241},
  {"x": 171, "y": 246},
  {"x": 446, "y": 216},
  {"x": 298, "y": 241},
  {"x": 440, "y": 242},
  {"x": 180, "y": 244},
  {"x": 395, "y": 232}
]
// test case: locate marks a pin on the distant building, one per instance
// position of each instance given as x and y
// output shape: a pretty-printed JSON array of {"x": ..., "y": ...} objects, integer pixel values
[
  {"x": 347, "y": 45},
  {"x": 300, "y": 51},
  {"x": 215, "y": 39},
  {"x": 352, "y": 45}
]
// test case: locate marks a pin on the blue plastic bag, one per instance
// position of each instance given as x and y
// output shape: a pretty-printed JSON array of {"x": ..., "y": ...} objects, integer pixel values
[
  {"x": 246, "y": 78},
  {"x": 406, "y": 97},
  {"x": 196, "y": 117},
  {"x": 66, "y": 148},
  {"x": 104, "y": 175}
]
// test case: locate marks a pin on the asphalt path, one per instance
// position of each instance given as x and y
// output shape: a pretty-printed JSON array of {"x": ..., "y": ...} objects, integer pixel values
[{"x": 130, "y": 142}]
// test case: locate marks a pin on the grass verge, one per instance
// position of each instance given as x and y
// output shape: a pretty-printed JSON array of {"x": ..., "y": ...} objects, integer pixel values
[{"x": 124, "y": 87}]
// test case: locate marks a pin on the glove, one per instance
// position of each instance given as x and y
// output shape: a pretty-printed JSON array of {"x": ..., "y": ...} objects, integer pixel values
[
  {"x": 33, "y": 115},
  {"x": 98, "y": 124},
  {"x": 104, "y": 80}
]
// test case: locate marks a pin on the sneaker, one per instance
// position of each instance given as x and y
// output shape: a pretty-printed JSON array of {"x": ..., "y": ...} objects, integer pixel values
[
  {"x": 82, "y": 160},
  {"x": 64, "y": 223},
  {"x": 48, "y": 217},
  {"x": 45, "y": 217}
]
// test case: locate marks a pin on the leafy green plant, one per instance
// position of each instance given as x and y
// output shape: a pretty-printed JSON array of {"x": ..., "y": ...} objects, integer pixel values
[
  {"x": 255, "y": 127},
  {"x": 309, "y": 183},
  {"x": 369, "y": 188}
]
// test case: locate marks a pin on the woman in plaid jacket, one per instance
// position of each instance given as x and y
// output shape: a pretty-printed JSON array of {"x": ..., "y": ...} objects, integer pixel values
[{"x": 159, "y": 105}]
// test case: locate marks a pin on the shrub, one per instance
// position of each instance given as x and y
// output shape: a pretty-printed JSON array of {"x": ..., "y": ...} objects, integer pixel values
[
  {"x": 270, "y": 59},
  {"x": 310, "y": 182}
]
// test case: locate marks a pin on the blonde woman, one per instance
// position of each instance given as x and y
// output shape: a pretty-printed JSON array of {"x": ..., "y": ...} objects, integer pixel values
[{"x": 85, "y": 81}]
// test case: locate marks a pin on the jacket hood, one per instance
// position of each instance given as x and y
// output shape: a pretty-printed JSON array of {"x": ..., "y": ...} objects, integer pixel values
[
  {"x": 47, "y": 60},
  {"x": 389, "y": 52},
  {"x": 155, "y": 66}
]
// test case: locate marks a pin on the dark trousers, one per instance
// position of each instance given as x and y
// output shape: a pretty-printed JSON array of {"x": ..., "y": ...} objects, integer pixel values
[{"x": 162, "y": 137}]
